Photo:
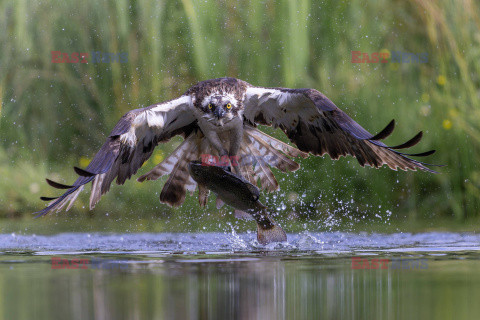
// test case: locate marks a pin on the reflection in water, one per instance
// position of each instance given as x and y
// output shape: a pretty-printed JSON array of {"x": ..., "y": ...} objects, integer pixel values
[{"x": 239, "y": 286}]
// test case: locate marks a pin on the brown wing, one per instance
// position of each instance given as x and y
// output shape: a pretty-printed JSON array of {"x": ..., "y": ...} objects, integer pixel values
[
  {"x": 128, "y": 146},
  {"x": 316, "y": 125}
]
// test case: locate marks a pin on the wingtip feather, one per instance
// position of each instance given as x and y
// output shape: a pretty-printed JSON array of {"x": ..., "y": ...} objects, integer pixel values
[
  {"x": 58, "y": 185},
  {"x": 48, "y": 198},
  {"x": 82, "y": 172},
  {"x": 385, "y": 132},
  {"x": 410, "y": 143}
]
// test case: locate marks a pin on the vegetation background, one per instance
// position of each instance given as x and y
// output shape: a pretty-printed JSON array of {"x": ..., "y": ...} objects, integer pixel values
[{"x": 55, "y": 116}]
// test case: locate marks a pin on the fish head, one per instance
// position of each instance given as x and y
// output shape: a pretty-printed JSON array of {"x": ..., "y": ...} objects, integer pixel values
[
  {"x": 196, "y": 170},
  {"x": 230, "y": 188},
  {"x": 204, "y": 173}
]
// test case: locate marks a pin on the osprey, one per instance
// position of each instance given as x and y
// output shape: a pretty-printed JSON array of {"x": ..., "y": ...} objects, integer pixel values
[{"x": 219, "y": 117}]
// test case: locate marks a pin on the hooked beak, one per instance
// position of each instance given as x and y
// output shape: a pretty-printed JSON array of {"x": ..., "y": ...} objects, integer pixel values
[{"x": 219, "y": 112}]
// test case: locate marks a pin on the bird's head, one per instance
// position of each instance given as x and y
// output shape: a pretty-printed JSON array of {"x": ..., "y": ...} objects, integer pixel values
[{"x": 220, "y": 109}]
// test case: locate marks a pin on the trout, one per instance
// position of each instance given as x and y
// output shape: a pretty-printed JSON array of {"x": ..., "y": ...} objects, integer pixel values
[{"x": 240, "y": 194}]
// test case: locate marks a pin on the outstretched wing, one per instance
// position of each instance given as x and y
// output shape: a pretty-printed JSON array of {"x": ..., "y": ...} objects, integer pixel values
[
  {"x": 128, "y": 146},
  {"x": 316, "y": 125}
]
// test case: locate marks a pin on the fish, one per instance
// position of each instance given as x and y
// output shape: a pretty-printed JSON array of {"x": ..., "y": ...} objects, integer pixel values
[{"x": 238, "y": 193}]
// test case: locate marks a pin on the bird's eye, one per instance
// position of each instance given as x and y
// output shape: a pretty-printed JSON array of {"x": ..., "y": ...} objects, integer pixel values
[
  {"x": 229, "y": 105},
  {"x": 209, "y": 106}
]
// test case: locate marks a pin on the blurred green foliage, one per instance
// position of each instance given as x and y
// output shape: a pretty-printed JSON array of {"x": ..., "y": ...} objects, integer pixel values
[{"x": 56, "y": 115}]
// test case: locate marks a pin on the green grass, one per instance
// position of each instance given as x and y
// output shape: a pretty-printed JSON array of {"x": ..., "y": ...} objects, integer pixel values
[{"x": 54, "y": 114}]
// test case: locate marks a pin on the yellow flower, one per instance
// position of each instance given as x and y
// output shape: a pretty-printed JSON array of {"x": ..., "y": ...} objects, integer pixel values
[
  {"x": 441, "y": 80},
  {"x": 83, "y": 162},
  {"x": 447, "y": 124},
  {"x": 158, "y": 157},
  {"x": 425, "y": 97},
  {"x": 385, "y": 50},
  {"x": 453, "y": 113}
]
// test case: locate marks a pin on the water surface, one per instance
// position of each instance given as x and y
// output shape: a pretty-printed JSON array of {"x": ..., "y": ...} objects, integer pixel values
[{"x": 231, "y": 276}]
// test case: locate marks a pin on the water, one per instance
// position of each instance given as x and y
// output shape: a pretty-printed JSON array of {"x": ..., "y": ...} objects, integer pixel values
[{"x": 231, "y": 276}]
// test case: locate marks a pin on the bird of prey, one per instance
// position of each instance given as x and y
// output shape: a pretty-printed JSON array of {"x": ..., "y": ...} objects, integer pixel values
[{"x": 219, "y": 117}]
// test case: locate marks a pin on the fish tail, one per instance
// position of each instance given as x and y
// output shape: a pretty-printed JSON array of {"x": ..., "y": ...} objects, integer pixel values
[
  {"x": 273, "y": 234},
  {"x": 267, "y": 230}
]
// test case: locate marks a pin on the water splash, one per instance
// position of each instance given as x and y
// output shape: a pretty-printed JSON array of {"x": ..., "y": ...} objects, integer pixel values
[{"x": 233, "y": 243}]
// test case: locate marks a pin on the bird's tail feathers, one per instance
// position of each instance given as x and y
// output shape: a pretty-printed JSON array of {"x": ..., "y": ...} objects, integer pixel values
[
  {"x": 259, "y": 152},
  {"x": 167, "y": 166},
  {"x": 176, "y": 165},
  {"x": 275, "y": 143}
]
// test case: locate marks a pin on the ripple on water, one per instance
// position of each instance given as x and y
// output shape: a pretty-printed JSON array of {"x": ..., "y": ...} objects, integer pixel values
[{"x": 221, "y": 243}]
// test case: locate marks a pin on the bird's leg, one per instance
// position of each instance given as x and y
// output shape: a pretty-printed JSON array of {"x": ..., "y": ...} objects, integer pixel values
[
  {"x": 203, "y": 193},
  {"x": 236, "y": 138},
  {"x": 215, "y": 141}
]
